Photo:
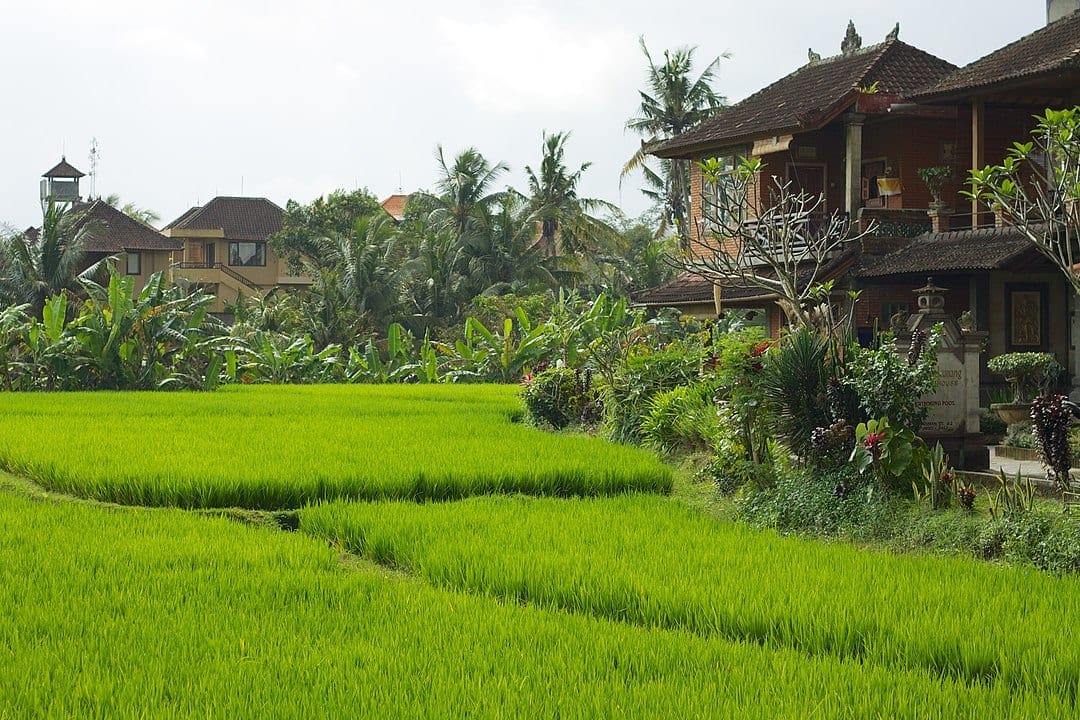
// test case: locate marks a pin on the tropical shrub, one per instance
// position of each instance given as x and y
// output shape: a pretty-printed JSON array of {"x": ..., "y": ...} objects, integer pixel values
[
  {"x": 646, "y": 373},
  {"x": 891, "y": 454},
  {"x": 991, "y": 424},
  {"x": 682, "y": 419},
  {"x": 1020, "y": 435},
  {"x": 744, "y": 407},
  {"x": 730, "y": 471},
  {"x": 795, "y": 376},
  {"x": 889, "y": 385},
  {"x": 561, "y": 397}
]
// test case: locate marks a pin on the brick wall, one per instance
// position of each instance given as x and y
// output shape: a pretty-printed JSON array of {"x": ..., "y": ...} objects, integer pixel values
[{"x": 877, "y": 293}]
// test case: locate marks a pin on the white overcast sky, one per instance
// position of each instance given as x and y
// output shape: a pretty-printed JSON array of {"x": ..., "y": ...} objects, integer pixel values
[{"x": 193, "y": 99}]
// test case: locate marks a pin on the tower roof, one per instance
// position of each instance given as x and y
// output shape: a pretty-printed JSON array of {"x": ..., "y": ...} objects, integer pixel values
[{"x": 64, "y": 169}]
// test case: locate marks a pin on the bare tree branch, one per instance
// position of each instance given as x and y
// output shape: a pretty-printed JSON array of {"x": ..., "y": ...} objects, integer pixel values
[{"x": 764, "y": 235}]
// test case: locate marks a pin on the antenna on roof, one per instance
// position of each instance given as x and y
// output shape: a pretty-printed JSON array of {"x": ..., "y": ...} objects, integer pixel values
[{"x": 95, "y": 155}]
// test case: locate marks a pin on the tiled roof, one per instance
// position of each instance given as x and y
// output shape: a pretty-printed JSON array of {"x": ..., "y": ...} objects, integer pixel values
[
  {"x": 395, "y": 206},
  {"x": 689, "y": 288},
  {"x": 121, "y": 231},
  {"x": 981, "y": 249},
  {"x": 812, "y": 95},
  {"x": 685, "y": 289},
  {"x": 1049, "y": 50},
  {"x": 239, "y": 218},
  {"x": 64, "y": 169}
]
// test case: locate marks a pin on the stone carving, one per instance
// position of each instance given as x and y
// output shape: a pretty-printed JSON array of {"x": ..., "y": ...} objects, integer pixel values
[
  {"x": 894, "y": 34},
  {"x": 813, "y": 56},
  {"x": 852, "y": 40}
]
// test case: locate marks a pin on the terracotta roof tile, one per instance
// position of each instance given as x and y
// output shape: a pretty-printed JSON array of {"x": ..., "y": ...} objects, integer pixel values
[
  {"x": 121, "y": 231},
  {"x": 395, "y": 206},
  {"x": 684, "y": 289},
  {"x": 812, "y": 95},
  {"x": 981, "y": 249},
  {"x": 239, "y": 218},
  {"x": 1049, "y": 50}
]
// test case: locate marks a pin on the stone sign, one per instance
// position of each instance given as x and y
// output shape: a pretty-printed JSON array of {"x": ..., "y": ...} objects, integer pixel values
[
  {"x": 953, "y": 417},
  {"x": 947, "y": 411}
]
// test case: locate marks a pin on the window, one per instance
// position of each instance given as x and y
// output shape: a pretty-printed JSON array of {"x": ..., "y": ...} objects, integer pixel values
[
  {"x": 134, "y": 263},
  {"x": 716, "y": 197},
  {"x": 247, "y": 253}
]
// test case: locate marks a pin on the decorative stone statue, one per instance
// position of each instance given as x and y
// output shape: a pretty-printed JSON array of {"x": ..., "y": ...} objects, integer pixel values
[
  {"x": 813, "y": 56},
  {"x": 852, "y": 40},
  {"x": 894, "y": 34}
]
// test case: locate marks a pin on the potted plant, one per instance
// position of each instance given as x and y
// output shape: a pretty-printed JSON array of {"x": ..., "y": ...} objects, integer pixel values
[
  {"x": 1029, "y": 374},
  {"x": 935, "y": 177}
]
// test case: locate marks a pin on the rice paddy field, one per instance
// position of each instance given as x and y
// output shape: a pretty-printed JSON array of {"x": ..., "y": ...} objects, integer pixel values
[
  {"x": 555, "y": 577},
  {"x": 128, "y": 614},
  {"x": 273, "y": 447},
  {"x": 652, "y": 562}
]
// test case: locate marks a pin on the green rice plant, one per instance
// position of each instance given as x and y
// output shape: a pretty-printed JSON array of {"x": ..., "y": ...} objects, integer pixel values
[
  {"x": 158, "y": 613},
  {"x": 653, "y": 562},
  {"x": 283, "y": 447}
]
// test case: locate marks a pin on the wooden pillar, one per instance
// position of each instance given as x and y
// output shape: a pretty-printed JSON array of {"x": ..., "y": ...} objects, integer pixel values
[
  {"x": 853, "y": 165},
  {"x": 978, "y": 146}
]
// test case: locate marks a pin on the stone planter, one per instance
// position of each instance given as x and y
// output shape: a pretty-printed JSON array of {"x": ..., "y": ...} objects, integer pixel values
[
  {"x": 1012, "y": 413},
  {"x": 1018, "y": 453}
]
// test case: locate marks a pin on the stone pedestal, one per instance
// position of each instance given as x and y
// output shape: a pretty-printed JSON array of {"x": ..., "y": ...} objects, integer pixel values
[
  {"x": 953, "y": 418},
  {"x": 940, "y": 220}
]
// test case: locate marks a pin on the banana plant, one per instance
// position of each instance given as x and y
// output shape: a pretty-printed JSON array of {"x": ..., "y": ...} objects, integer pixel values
[
  {"x": 160, "y": 338},
  {"x": 51, "y": 353},
  {"x": 491, "y": 356},
  {"x": 370, "y": 367},
  {"x": 271, "y": 359},
  {"x": 13, "y": 348}
]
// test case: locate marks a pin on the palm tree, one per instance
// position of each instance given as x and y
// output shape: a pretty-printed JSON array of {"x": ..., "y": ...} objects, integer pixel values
[
  {"x": 144, "y": 215},
  {"x": 566, "y": 224},
  {"x": 672, "y": 103},
  {"x": 38, "y": 264},
  {"x": 437, "y": 284},
  {"x": 367, "y": 262},
  {"x": 509, "y": 257},
  {"x": 453, "y": 228},
  {"x": 466, "y": 193}
]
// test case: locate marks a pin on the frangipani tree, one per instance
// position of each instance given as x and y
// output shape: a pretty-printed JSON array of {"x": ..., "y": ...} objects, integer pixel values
[
  {"x": 765, "y": 234},
  {"x": 1037, "y": 187}
]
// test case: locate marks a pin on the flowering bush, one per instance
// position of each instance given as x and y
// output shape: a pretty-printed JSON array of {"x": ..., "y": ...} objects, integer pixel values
[{"x": 889, "y": 385}]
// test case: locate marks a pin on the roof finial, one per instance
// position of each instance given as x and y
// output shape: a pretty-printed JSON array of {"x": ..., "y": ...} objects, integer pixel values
[
  {"x": 852, "y": 40},
  {"x": 813, "y": 56},
  {"x": 894, "y": 33}
]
